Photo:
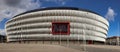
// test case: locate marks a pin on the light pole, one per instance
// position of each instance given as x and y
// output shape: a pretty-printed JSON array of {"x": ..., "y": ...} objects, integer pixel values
[
  {"x": 21, "y": 35},
  {"x": 60, "y": 36},
  {"x": 78, "y": 39},
  {"x": 84, "y": 38},
  {"x": 68, "y": 42},
  {"x": 118, "y": 35}
]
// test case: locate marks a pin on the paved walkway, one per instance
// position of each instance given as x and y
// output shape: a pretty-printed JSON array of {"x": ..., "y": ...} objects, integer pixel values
[
  {"x": 102, "y": 48},
  {"x": 97, "y": 48},
  {"x": 35, "y": 48},
  {"x": 15, "y": 47}
]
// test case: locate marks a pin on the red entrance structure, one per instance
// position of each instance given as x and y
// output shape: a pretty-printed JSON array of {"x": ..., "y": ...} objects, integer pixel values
[{"x": 60, "y": 28}]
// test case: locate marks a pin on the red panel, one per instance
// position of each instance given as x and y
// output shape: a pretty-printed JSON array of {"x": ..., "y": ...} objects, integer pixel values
[
  {"x": 60, "y": 28},
  {"x": 90, "y": 42}
]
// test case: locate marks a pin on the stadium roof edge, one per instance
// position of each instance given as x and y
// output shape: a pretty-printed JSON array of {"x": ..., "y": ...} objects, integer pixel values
[{"x": 52, "y": 8}]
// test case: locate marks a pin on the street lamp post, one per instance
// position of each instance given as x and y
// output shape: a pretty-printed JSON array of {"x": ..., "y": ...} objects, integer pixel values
[
  {"x": 60, "y": 36},
  {"x": 68, "y": 42},
  {"x": 84, "y": 39},
  {"x": 21, "y": 35},
  {"x": 78, "y": 39},
  {"x": 118, "y": 36}
]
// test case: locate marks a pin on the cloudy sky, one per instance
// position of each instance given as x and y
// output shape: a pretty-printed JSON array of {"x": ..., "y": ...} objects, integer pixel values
[{"x": 109, "y": 9}]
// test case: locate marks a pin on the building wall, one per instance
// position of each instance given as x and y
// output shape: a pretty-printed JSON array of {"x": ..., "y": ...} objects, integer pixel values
[
  {"x": 113, "y": 40},
  {"x": 37, "y": 26},
  {"x": 2, "y": 38}
]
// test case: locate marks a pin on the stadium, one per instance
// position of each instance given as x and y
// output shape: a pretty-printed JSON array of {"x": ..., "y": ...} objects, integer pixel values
[{"x": 60, "y": 24}]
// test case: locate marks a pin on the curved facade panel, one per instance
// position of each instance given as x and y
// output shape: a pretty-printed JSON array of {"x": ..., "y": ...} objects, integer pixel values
[{"x": 64, "y": 23}]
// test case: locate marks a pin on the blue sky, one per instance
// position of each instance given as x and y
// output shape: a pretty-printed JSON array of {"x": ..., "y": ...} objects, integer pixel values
[{"x": 109, "y": 9}]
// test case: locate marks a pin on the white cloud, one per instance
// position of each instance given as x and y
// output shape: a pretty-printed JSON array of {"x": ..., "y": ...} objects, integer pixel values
[
  {"x": 2, "y": 32},
  {"x": 9, "y": 9},
  {"x": 110, "y": 14}
]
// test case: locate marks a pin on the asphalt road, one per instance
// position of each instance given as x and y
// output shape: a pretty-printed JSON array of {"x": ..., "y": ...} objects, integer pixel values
[
  {"x": 102, "y": 48},
  {"x": 96, "y": 48},
  {"x": 35, "y": 48},
  {"x": 16, "y": 47}
]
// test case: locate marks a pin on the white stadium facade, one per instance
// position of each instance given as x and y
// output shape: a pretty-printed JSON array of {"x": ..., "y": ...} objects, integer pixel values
[{"x": 57, "y": 24}]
